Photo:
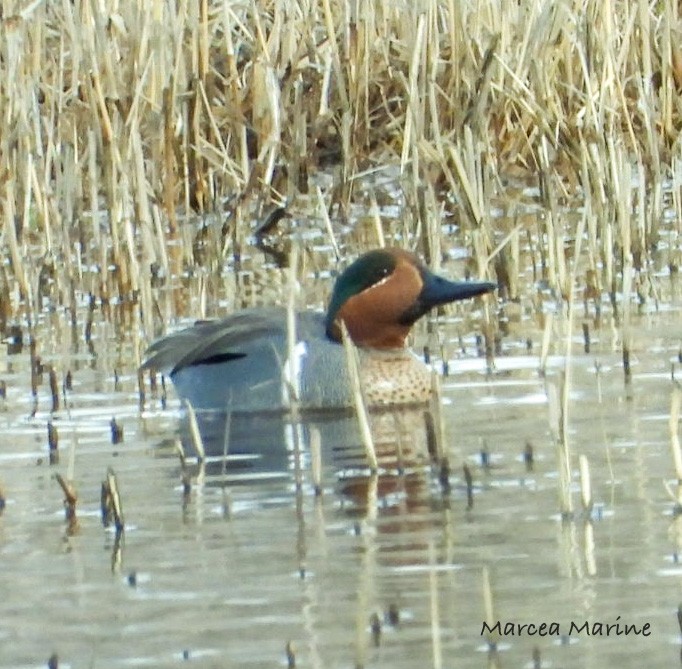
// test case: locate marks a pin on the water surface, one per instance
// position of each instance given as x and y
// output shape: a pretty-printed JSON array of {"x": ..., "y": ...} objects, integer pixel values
[{"x": 374, "y": 573}]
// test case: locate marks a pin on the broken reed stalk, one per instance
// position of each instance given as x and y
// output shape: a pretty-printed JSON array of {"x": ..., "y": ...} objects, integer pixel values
[
  {"x": 111, "y": 507},
  {"x": 361, "y": 411},
  {"x": 70, "y": 497},
  {"x": 195, "y": 432}
]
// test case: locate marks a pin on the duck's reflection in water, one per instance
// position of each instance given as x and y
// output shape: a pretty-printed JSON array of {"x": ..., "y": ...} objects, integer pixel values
[
  {"x": 245, "y": 447},
  {"x": 393, "y": 512}
]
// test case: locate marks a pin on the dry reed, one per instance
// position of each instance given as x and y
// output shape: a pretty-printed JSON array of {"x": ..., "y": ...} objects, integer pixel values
[
  {"x": 70, "y": 498},
  {"x": 195, "y": 432},
  {"x": 359, "y": 404},
  {"x": 121, "y": 121}
]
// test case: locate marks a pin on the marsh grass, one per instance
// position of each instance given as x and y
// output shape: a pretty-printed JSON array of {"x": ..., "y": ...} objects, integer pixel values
[
  {"x": 138, "y": 142},
  {"x": 121, "y": 122}
]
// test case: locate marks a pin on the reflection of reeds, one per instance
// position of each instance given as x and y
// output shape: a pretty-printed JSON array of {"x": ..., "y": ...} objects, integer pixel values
[
  {"x": 435, "y": 609},
  {"x": 434, "y": 420},
  {"x": 585, "y": 485},
  {"x": 555, "y": 393},
  {"x": 559, "y": 392},
  {"x": 53, "y": 443},
  {"x": 293, "y": 359},
  {"x": 489, "y": 609},
  {"x": 528, "y": 456},
  {"x": 469, "y": 482},
  {"x": 673, "y": 425},
  {"x": 316, "y": 459},
  {"x": 116, "y": 431},
  {"x": 675, "y": 402},
  {"x": 290, "y": 652},
  {"x": 375, "y": 629}
]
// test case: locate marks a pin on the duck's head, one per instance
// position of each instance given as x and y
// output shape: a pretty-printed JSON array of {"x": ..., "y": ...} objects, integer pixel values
[{"x": 381, "y": 295}]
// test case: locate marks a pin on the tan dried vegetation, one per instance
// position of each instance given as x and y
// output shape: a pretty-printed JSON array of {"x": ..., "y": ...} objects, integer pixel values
[{"x": 122, "y": 121}]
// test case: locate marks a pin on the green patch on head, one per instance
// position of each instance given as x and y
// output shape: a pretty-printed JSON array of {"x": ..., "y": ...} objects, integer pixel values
[{"x": 365, "y": 272}]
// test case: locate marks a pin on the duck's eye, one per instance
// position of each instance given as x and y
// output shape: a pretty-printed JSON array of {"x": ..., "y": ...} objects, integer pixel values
[{"x": 379, "y": 275}]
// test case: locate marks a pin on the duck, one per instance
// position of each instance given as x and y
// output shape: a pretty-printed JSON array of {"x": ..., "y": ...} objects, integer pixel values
[{"x": 244, "y": 362}]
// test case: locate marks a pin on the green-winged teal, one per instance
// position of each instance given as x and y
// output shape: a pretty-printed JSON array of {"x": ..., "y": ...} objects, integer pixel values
[{"x": 240, "y": 362}]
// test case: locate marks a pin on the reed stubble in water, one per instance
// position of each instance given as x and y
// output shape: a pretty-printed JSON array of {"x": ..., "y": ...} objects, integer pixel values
[
  {"x": 53, "y": 443},
  {"x": 116, "y": 431},
  {"x": 70, "y": 501},
  {"x": 111, "y": 506}
]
